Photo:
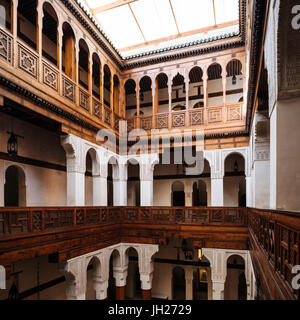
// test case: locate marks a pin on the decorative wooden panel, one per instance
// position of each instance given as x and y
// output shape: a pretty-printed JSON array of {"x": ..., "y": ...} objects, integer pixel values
[
  {"x": 27, "y": 61},
  {"x": 50, "y": 76},
  {"x": 215, "y": 115},
  {"x": 68, "y": 89},
  {"x": 84, "y": 100},
  {"x": 146, "y": 122},
  {"x": 178, "y": 119},
  {"x": 5, "y": 46},
  {"x": 116, "y": 120},
  {"x": 107, "y": 115},
  {"x": 97, "y": 108},
  {"x": 196, "y": 117},
  {"x": 162, "y": 121},
  {"x": 234, "y": 113}
]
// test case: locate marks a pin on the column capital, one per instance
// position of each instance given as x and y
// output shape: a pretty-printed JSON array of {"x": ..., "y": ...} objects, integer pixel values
[
  {"x": 75, "y": 274},
  {"x": 120, "y": 275}
]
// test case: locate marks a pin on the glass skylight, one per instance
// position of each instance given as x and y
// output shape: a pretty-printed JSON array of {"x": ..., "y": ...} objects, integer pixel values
[{"x": 137, "y": 26}]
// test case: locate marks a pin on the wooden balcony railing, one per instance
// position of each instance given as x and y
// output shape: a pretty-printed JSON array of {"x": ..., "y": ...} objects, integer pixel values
[
  {"x": 41, "y": 70},
  {"x": 210, "y": 117},
  {"x": 278, "y": 235},
  {"x": 33, "y": 220}
]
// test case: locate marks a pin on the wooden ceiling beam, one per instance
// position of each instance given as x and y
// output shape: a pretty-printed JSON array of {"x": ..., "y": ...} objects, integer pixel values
[
  {"x": 177, "y": 36},
  {"x": 110, "y": 6}
]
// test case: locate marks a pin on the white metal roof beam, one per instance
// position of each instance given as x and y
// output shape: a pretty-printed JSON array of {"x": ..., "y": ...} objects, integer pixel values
[{"x": 110, "y": 6}]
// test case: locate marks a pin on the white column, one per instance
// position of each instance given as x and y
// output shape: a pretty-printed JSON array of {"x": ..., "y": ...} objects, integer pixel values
[
  {"x": 120, "y": 275},
  {"x": 76, "y": 278},
  {"x": 146, "y": 180},
  {"x": 218, "y": 290},
  {"x": 75, "y": 170},
  {"x": 100, "y": 287},
  {"x": 99, "y": 191},
  {"x": 120, "y": 185},
  {"x": 249, "y": 192},
  {"x": 2, "y": 278},
  {"x": 75, "y": 187},
  {"x": 217, "y": 193},
  {"x": 188, "y": 190},
  {"x": 218, "y": 266},
  {"x": 146, "y": 265},
  {"x": 273, "y": 158},
  {"x": 189, "y": 283}
]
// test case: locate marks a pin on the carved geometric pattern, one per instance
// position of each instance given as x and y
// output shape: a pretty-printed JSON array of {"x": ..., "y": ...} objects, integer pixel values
[
  {"x": 50, "y": 76},
  {"x": 178, "y": 119},
  {"x": 234, "y": 113},
  {"x": 92, "y": 216},
  {"x": 162, "y": 121},
  {"x": 214, "y": 115},
  {"x": 97, "y": 109},
  {"x": 5, "y": 46},
  {"x": 107, "y": 115},
  {"x": 117, "y": 120},
  {"x": 27, "y": 61},
  {"x": 68, "y": 89},
  {"x": 196, "y": 117},
  {"x": 58, "y": 219},
  {"x": 84, "y": 100},
  {"x": 37, "y": 221},
  {"x": 131, "y": 214},
  {"x": 146, "y": 123}
]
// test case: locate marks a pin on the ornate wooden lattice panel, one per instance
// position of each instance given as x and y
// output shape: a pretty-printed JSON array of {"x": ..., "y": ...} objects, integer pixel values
[
  {"x": 58, "y": 219},
  {"x": 178, "y": 119},
  {"x": 215, "y": 115},
  {"x": 107, "y": 115},
  {"x": 117, "y": 119},
  {"x": 27, "y": 61},
  {"x": 5, "y": 46},
  {"x": 68, "y": 89},
  {"x": 146, "y": 123},
  {"x": 162, "y": 121},
  {"x": 234, "y": 113},
  {"x": 97, "y": 108},
  {"x": 50, "y": 76},
  {"x": 84, "y": 100},
  {"x": 196, "y": 117}
]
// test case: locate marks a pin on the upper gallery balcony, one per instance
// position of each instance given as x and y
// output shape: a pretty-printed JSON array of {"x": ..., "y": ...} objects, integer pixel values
[{"x": 56, "y": 60}]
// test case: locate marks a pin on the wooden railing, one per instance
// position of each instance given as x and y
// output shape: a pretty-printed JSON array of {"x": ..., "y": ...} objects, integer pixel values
[
  {"x": 42, "y": 70},
  {"x": 32, "y": 220},
  {"x": 278, "y": 235},
  {"x": 208, "y": 117}
]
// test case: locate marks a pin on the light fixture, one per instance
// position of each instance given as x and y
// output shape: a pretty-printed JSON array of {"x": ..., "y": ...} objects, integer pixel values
[
  {"x": 236, "y": 166},
  {"x": 234, "y": 80},
  {"x": 12, "y": 144},
  {"x": 188, "y": 252},
  {"x": 200, "y": 254}
]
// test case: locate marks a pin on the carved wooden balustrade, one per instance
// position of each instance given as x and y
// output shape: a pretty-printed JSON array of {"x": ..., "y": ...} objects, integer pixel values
[
  {"x": 211, "y": 117},
  {"x": 278, "y": 235},
  {"x": 32, "y": 220},
  {"x": 45, "y": 72}
]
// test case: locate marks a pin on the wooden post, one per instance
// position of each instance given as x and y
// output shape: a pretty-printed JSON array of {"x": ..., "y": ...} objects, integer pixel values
[
  {"x": 146, "y": 294},
  {"x": 120, "y": 293}
]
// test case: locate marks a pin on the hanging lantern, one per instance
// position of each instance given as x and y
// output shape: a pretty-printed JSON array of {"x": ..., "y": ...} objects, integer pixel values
[
  {"x": 12, "y": 145},
  {"x": 236, "y": 166},
  {"x": 234, "y": 80}
]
